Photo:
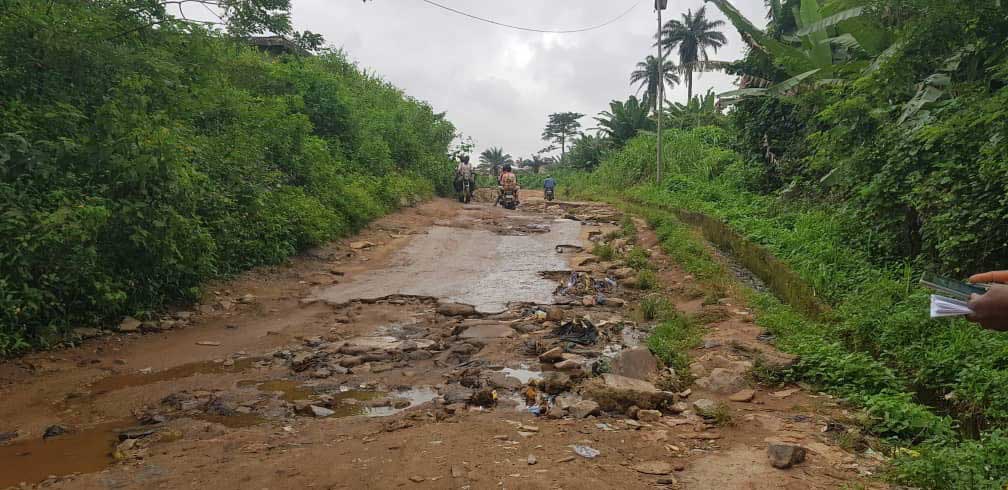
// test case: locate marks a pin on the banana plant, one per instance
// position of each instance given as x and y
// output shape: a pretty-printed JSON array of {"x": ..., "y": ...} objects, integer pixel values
[{"x": 810, "y": 54}]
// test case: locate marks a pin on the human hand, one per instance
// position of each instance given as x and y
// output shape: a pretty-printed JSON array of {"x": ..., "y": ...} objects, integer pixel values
[
  {"x": 993, "y": 276},
  {"x": 990, "y": 309}
]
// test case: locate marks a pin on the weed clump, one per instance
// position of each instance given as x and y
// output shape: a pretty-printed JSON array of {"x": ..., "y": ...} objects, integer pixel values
[
  {"x": 647, "y": 280},
  {"x": 638, "y": 259},
  {"x": 603, "y": 251},
  {"x": 672, "y": 339}
]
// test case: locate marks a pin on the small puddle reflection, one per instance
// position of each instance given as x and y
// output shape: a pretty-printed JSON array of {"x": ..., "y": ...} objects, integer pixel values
[
  {"x": 121, "y": 381},
  {"x": 348, "y": 402},
  {"x": 523, "y": 374},
  {"x": 34, "y": 460}
]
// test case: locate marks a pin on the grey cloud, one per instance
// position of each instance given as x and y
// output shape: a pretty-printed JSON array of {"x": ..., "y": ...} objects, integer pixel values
[{"x": 498, "y": 85}]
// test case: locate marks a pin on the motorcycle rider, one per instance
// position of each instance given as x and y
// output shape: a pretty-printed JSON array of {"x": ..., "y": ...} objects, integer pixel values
[
  {"x": 463, "y": 173},
  {"x": 549, "y": 185},
  {"x": 508, "y": 181}
]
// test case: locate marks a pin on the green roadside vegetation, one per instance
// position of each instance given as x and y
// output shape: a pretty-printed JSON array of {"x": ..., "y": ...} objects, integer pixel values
[
  {"x": 853, "y": 168},
  {"x": 141, "y": 155}
]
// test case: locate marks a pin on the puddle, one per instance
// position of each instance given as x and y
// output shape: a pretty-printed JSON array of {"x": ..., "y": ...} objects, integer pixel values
[
  {"x": 86, "y": 451},
  {"x": 416, "y": 396},
  {"x": 523, "y": 374},
  {"x": 346, "y": 403},
  {"x": 121, "y": 381},
  {"x": 476, "y": 267}
]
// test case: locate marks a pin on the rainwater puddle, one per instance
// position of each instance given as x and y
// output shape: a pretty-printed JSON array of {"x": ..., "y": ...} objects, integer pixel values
[
  {"x": 34, "y": 460},
  {"x": 121, "y": 381},
  {"x": 346, "y": 403},
  {"x": 523, "y": 374},
  {"x": 475, "y": 267}
]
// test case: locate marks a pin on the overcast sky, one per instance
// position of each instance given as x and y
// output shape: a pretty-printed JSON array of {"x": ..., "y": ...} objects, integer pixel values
[{"x": 498, "y": 85}]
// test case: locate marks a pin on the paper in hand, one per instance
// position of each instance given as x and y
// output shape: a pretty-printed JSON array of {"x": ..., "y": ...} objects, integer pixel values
[{"x": 942, "y": 306}]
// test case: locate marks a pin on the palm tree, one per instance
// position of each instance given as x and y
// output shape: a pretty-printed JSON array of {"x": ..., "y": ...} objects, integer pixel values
[
  {"x": 495, "y": 158},
  {"x": 537, "y": 162},
  {"x": 646, "y": 77},
  {"x": 623, "y": 120},
  {"x": 693, "y": 36}
]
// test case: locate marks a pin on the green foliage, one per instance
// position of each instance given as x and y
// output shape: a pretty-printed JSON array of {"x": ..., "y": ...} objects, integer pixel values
[
  {"x": 647, "y": 280},
  {"x": 671, "y": 340},
  {"x": 561, "y": 127},
  {"x": 654, "y": 306},
  {"x": 877, "y": 347},
  {"x": 603, "y": 251},
  {"x": 140, "y": 162},
  {"x": 638, "y": 259},
  {"x": 624, "y": 120}
]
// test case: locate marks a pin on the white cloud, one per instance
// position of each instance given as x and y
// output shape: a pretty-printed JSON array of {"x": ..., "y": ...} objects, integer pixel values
[{"x": 498, "y": 85}]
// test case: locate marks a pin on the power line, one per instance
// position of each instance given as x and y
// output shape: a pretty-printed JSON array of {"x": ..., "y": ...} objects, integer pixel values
[{"x": 530, "y": 29}]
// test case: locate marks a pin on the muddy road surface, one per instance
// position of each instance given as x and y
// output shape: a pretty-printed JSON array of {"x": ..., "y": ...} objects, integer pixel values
[{"x": 446, "y": 346}]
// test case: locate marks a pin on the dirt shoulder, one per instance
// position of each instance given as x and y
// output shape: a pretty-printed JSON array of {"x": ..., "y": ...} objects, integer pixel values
[{"x": 446, "y": 346}]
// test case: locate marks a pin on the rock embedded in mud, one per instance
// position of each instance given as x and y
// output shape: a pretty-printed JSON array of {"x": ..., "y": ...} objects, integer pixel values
[
  {"x": 500, "y": 379},
  {"x": 463, "y": 348},
  {"x": 705, "y": 407},
  {"x": 302, "y": 361},
  {"x": 554, "y": 382},
  {"x": 573, "y": 365},
  {"x": 419, "y": 355},
  {"x": 55, "y": 430},
  {"x": 555, "y": 314},
  {"x": 723, "y": 381},
  {"x": 637, "y": 363},
  {"x": 86, "y": 333},
  {"x": 616, "y": 393},
  {"x": 784, "y": 456},
  {"x": 583, "y": 409},
  {"x": 455, "y": 394},
  {"x": 456, "y": 309},
  {"x": 617, "y": 302},
  {"x": 129, "y": 325},
  {"x": 743, "y": 396},
  {"x": 553, "y": 355},
  {"x": 350, "y": 362},
  {"x": 649, "y": 415}
]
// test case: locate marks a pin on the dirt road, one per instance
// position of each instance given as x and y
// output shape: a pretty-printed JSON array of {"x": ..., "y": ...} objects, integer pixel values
[{"x": 446, "y": 346}]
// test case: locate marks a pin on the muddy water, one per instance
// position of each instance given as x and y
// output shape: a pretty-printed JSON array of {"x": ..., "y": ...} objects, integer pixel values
[
  {"x": 35, "y": 460},
  {"x": 475, "y": 267},
  {"x": 121, "y": 381}
]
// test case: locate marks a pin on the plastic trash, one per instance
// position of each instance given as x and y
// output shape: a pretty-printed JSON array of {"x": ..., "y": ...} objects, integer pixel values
[
  {"x": 586, "y": 452},
  {"x": 535, "y": 410}
]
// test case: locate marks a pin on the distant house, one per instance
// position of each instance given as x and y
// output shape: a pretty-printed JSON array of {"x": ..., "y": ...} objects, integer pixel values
[{"x": 277, "y": 45}]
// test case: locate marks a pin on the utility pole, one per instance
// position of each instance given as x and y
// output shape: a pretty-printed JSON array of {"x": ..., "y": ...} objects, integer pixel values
[{"x": 659, "y": 6}]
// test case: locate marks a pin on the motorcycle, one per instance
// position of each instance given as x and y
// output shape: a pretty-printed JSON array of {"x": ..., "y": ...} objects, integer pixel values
[
  {"x": 509, "y": 199},
  {"x": 549, "y": 194},
  {"x": 465, "y": 192}
]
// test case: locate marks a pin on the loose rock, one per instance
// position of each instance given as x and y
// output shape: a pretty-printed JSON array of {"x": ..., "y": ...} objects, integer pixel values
[
  {"x": 705, "y": 407},
  {"x": 649, "y": 415},
  {"x": 722, "y": 381},
  {"x": 743, "y": 396},
  {"x": 553, "y": 355},
  {"x": 784, "y": 456},
  {"x": 456, "y": 309},
  {"x": 583, "y": 409},
  {"x": 129, "y": 324},
  {"x": 638, "y": 363}
]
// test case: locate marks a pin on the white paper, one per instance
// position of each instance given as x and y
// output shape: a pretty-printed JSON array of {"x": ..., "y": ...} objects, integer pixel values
[{"x": 942, "y": 306}]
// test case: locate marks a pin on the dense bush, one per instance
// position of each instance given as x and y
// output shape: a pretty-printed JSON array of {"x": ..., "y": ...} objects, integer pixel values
[
  {"x": 136, "y": 163},
  {"x": 877, "y": 347}
]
